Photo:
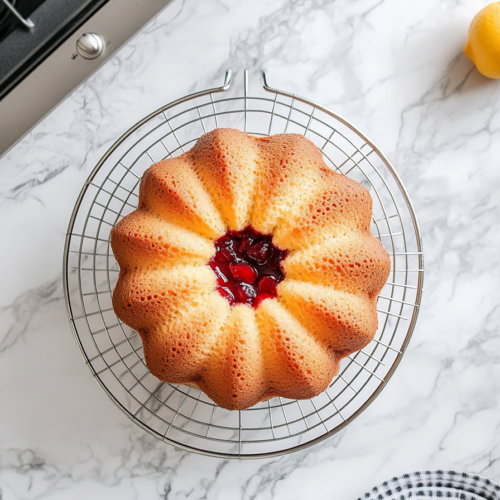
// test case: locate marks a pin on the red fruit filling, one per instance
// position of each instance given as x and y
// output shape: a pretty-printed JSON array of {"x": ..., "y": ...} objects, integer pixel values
[{"x": 247, "y": 266}]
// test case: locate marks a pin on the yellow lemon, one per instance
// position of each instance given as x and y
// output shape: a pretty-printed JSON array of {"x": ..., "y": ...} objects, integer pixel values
[{"x": 483, "y": 45}]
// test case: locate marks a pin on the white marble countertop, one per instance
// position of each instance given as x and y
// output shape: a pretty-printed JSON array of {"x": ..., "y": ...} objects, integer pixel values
[{"x": 394, "y": 69}]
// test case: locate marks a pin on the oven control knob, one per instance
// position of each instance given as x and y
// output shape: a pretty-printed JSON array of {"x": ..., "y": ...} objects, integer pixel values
[{"x": 90, "y": 45}]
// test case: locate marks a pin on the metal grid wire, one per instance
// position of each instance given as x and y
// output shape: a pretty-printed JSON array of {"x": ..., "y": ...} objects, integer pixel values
[{"x": 184, "y": 416}]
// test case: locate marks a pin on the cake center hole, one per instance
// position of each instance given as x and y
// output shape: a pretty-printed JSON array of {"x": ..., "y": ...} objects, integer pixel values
[{"x": 247, "y": 266}]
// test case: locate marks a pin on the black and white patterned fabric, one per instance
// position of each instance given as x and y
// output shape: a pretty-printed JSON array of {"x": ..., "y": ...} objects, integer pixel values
[{"x": 435, "y": 484}]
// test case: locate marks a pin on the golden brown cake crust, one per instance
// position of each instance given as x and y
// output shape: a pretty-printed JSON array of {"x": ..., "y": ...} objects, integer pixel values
[{"x": 325, "y": 309}]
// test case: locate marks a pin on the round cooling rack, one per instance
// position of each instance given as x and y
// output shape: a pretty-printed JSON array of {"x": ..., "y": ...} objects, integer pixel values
[{"x": 184, "y": 416}]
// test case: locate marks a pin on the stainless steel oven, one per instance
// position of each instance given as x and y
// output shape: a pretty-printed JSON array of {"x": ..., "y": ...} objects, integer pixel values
[{"x": 48, "y": 47}]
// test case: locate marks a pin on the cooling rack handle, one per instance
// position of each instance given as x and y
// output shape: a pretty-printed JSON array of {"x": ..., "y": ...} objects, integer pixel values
[
  {"x": 227, "y": 80},
  {"x": 264, "y": 79}
]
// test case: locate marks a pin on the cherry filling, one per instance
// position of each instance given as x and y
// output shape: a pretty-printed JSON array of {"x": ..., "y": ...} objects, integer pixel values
[{"x": 247, "y": 266}]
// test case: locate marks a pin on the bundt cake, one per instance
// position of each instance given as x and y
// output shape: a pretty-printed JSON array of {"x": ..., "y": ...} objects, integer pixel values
[{"x": 249, "y": 269}]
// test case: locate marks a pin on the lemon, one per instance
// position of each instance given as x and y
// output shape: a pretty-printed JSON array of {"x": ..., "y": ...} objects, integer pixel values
[{"x": 483, "y": 45}]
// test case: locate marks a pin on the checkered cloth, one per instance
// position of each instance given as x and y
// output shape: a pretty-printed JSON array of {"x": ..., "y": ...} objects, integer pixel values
[{"x": 435, "y": 484}]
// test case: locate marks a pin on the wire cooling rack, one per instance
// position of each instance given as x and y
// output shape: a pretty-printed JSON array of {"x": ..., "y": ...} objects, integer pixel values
[{"x": 184, "y": 416}]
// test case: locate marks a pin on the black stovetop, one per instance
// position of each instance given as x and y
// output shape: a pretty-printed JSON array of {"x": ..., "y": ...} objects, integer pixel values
[
  {"x": 23, "y": 49},
  {"x": 8, "y": 22}
]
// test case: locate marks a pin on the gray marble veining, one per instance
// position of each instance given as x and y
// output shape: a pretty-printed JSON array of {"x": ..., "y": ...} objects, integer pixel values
[{"x": 395, "y": 70}]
